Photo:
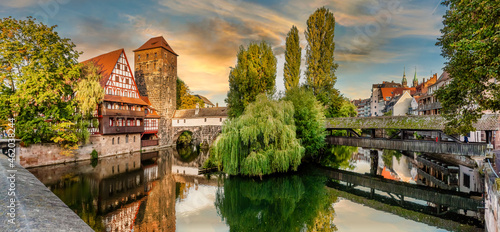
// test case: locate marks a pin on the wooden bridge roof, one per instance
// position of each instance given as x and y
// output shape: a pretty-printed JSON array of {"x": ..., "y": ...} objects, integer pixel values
[{"x": 424, "y": 122}]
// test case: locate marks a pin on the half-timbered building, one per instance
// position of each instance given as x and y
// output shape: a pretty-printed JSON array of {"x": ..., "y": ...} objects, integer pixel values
[{"x": 122, "y": 113}]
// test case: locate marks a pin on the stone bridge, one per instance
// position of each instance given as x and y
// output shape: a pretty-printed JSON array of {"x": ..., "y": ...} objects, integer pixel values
[{"x": 205, "y": 124}]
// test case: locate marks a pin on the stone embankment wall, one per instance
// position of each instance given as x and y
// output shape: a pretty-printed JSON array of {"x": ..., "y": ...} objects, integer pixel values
[{"x": 49, "y": 154}]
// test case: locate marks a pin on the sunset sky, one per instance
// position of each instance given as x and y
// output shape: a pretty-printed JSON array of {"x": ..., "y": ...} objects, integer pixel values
[{"x": 374, "y": 39}]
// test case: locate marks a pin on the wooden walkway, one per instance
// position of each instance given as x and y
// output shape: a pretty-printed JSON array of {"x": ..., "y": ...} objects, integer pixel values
[{"x": 426, "y": 146}]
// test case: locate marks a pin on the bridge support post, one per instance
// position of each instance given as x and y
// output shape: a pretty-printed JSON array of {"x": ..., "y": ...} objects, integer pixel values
[{"x": 373, "y": 162}]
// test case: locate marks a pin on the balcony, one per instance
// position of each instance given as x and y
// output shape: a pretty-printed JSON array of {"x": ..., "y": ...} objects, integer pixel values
[
  {"x": 149, "y": 143},
  {"x": 429, "y": 106},
  {"x": 122, "y": 129},
  {"x": 114, "y": 112}
]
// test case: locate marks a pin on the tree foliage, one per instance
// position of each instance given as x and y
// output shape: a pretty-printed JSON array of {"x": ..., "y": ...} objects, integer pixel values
[
  {"x": 309, "y": 120},
  {"x": 37, "y": 70},
  {"x": 89, "y": 92},
  {"x": 291, "y": 72},
  {"x": 320, "y": 72},
  {"x": 470, "y": 42},
  {"x": 255, "y": 73},
  {"x": 259, "y": 142},
  {"x": 185, "y": 99},
  {"x": 344, "y": 109}
]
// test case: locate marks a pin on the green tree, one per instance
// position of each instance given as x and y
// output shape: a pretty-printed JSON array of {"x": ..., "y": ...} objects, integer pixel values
[
  {"x": 309, "y": 120},
  {"x": 255, "y": 73},
  {"x": 37, "y": 71},
  {"x": 293, "y": 50},
  {"x": 259, "y": 142},
  {"x": 470, "y": 42},
  {"x": 88, "y": 94},
  {"x": 320, "y": 72},
  {"x": 344, "y": 109},
  {"x": 185, "y": 99}
]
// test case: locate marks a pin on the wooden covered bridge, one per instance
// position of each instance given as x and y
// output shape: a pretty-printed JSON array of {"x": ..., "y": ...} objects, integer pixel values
[{"x": 403, "y": 139}]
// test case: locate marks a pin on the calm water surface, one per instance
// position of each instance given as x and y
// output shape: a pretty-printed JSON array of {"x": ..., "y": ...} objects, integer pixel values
[{"x": 162, "y": 191}]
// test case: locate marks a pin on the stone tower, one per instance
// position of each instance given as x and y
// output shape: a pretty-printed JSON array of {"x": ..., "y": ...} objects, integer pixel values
[
  {"x": 156, "y": 78},
  {"x": 404, "y": 82}
]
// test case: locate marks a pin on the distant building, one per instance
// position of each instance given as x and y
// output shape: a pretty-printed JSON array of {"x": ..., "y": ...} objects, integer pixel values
[
  {"x": 363, "y": 107},
  {"x": 208, "y": 103},
  {"x": 428, "y": 103}
]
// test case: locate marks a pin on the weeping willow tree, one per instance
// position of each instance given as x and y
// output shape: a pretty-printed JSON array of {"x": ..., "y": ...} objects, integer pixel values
[
  {"x": 88, "y": 94},
  {"x": 261, "y": 141}
]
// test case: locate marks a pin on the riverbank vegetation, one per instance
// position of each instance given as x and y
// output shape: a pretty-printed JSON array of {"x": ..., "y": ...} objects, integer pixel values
[
  {"x": 275, "y": 134},
  {"x": 43, "y": 85}
]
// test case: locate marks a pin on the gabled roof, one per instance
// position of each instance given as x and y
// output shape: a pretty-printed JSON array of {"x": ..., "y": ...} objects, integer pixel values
[
  {"x": 114, "y": 98},
  {"x": 392, "y": 92},
  {"x": 204, "y": 99},
  {"x": 156, "y": 42},
  {"x": 214, "y": 112},
  {"x": 106, "y": 62}
]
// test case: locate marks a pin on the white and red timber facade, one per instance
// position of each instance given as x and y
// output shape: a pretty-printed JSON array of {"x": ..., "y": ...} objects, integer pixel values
[{"x": 127, "y": 121}]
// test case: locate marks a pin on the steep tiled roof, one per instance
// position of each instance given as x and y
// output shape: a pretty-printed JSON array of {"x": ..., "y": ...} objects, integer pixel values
[
  {"x": 156, "y": 42},
  {"x": 202, "y": 113},
  {"x": 106, "y": 62}
]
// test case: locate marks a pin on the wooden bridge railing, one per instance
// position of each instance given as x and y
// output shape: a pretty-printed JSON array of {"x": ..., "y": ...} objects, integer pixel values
[{"x": 471, "y": 149}]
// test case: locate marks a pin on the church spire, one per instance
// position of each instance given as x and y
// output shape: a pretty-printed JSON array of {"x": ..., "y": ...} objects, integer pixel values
[
  {"x": 404, "y": 82},
  {"x": 415, "y": 80}
]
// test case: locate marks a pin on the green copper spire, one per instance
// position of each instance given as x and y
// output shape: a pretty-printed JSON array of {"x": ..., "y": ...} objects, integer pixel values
[
  {"x": 415, "y": 80},
  {"x": 404, "y": 82}
]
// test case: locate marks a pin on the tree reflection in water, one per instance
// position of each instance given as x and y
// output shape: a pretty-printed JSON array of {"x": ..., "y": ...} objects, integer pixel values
[
  {"x": 339, "y": 157},
  {"x": 276, "y": 203}
]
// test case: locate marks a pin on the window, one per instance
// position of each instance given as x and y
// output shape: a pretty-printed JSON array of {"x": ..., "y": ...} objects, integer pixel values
[
  {"x": 111, "y": 122},
  {"x": 466, "y": 180},
  {"x": 126, "y": 68},
  {"x": 118, "y": 66},
  {"x": 138, "y": 57},
  {"x": 205, "y": 119},
  {"x": 117, "y": 78},
  {"x": 220, "y": 119},
  {"x": 154, "y": 67},
  {"x": 126, "y": 139},
  {"x": 113, "y": 142},
  {"x": 147, "y": 66},
  {"x": 127, "y": 81},
  {"x": 113, "y": 172},
  {"x": 138, "y": 123},
  {"x": 155, "y": 54},
  {"x": 147, "y": 56},
  {"x": 109, "y": 105},
  {"x": 134, "y": 142},
  {"x": 184, "y": 120},
  {"x": 118, "y": 143},
  {"x": 177, "y": 120}
]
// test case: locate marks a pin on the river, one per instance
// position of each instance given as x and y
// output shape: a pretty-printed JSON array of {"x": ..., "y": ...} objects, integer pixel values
[{"x": 162, "y": 191}]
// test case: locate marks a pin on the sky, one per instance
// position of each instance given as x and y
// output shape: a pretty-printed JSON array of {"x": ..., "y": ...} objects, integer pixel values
[{"x": 374, "y": 39}]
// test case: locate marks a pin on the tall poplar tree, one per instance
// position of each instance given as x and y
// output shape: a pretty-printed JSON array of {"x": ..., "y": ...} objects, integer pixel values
[
  {"x": 471, "y": 45},
  {"x": 320, "y": 72},
  {"x": 293, "y": 51},
  {"x": 255, "y": 73}
]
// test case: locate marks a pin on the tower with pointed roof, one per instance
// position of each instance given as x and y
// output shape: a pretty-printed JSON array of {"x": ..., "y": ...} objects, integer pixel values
[
  {"x": 156, "y": 77},
  {"x": 415, "y": 80},
  {"x": 404, "y": 82}
]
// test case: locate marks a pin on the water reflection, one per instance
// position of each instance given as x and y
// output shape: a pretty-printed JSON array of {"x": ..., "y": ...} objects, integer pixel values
[
  {"x": 279, "y": 203},
  {"x": 162, "y": 191}
]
